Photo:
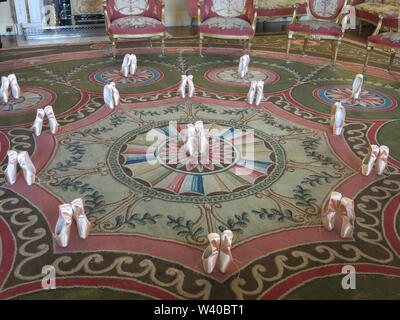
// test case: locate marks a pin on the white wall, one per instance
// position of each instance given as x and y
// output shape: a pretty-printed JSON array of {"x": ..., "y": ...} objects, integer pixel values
[
  {"x": 5, "y": 16},
  {"x": 176, "y": 14}
]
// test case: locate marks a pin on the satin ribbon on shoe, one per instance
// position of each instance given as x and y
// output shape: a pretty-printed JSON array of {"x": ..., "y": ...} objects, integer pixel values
[
  {"x": 108, "y": 96},
  {"x": 244, "y": 65},
  {"x": 357, "y": 87},
  {"x": 369, "y": 160},
  {"x": 5, "y": 89},
  {"x": 115, "y": 94},
  {"x": 191, "y": 137},
  {"x": 338, "y": 116},
  {"x": 191, "y": 88},
  {"x": 11, "y": 170},
  {"x": 38, "y": 123},
  {"x": 54, "y": 126},
  {"x": 346, "y": 212},
  {"x": 260, "y": 92},
  {"x": 252, "y": 92},
  {"x": 125, "y": 65},
  {"x": 225, "y": 255},
  {"x": 15, "y": 88},
  {"x": 132, "y": 64},
  {"x": 182, "y": 87},
  {"x": 63, "y": 225},
  {"x": 210, "y": 255},
  {"x": 202, "y": 136},
  {"x": 81, "y": 219},
  {"x": 27, "y": 166},
  {"x": 330, "y": 210},
  {"x": 381, "y": 161}
]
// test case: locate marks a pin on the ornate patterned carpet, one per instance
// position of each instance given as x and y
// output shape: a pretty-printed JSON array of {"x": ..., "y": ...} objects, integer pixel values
[{"x": 151, "y": 218}]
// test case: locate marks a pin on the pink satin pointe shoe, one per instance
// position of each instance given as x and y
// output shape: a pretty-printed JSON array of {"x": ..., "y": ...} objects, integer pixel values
[
  {"x": 38, "y": 123},
  {"x": 54, "y": 126},
  {"x": 63, "y": 225},
  {"x": 132, "y": 64},
  {"x": 182, "y": 87},
  {"x": 203, "y": 137},
  {"x": 381, "y": 161},
  {"x": 11, "y": 170},
  {"x": 191, "y": 137},
  {"x": 115, "y": 94},
  {"x": 346, "y": 211},
  {"x": 125, "y": 65},
  {"x": 15, "y": 88},
  {"x": 210, "y": 255},
  {"x": 108, "y": 96},
  {"x": 252, "y": 92},
  {"x": 329, "y": 213},
  {"x": 82, "y": 221},
  {"x": 225, "y": 256},
  {"x": 5, "y": 89},
  {"x": 27, "y": 166},
  {"x": 339, "y": 118},
  {"x": 191, "y": 88},
  {"x": 357, "y": 86},
  {"x": 244, "y": 65},
  {"x": 260, "y": 92},
  {"x": 369, "y": 160}
]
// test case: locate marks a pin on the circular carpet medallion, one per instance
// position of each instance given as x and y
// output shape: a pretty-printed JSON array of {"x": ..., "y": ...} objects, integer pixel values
[
  {"x": 239, "y": 162},
  {"x": 370, "y": 99},
  {"x": 31, "y": 98},
  {"x": 143, "y": 76},
  {"x": 230, "y": 76}
]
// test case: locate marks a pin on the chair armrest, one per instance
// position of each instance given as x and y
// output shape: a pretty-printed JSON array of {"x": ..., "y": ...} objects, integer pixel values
[
  {"x": 251, "y": 14},
  {"x": 106, "y": 17},
  {"x": 199, "y": 17}
]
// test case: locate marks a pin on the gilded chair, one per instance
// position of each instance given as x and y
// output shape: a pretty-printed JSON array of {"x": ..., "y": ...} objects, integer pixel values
[
  {"x": 387, "y": 41},
  {"x": 327, "y": 20},
  {"x": 134, "y": 19},
  {"x": 227, "y": 19}
]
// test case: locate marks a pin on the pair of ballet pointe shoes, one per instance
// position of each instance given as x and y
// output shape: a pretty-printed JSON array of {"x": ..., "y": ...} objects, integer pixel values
[
  {"x": 196, "y": 136},
  {"x": 218, "y": 252},
  {"x": 129, "y": 65},
  {"x": 111, "y": 95},
  {"x": 8, "y": 83},
  {"x": 377, "y": 156},
  {"x": 338, "y": 116},
  {"x": 339, "y": 213},
  {"x": 243, "y": 67},
  {"x": 256, "y": 92},
  {"x": 25, "y": 162},
  {"x": 38, "y": 123},
  {"x": 67, "y": 211},
  {"x": 186, "y": 82}
]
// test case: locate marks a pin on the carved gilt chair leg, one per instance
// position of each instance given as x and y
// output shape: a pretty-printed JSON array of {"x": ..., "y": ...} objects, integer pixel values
[
  {"x": 392, "y": 56},
  {"x": 163, "y": 45},
  {"x": 288, "y": 47},
  {"x": 369, "y": 49},
  {"x": 201, "y": 46},
  {"x": 303, "y": 53},
  {"x": 337, "y": 45},
  {"x": 114, "y": 47}
]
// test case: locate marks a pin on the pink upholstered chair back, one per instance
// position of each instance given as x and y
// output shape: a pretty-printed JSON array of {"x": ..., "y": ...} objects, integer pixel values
[
  {"x": 243, "y": 9},
  {"x": 123, "y": 8},
  {"x": 326, "y": 9}
]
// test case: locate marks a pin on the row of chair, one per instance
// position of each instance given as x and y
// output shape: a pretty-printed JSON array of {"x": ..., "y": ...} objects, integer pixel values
[{"x": 236, "y": 19}]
